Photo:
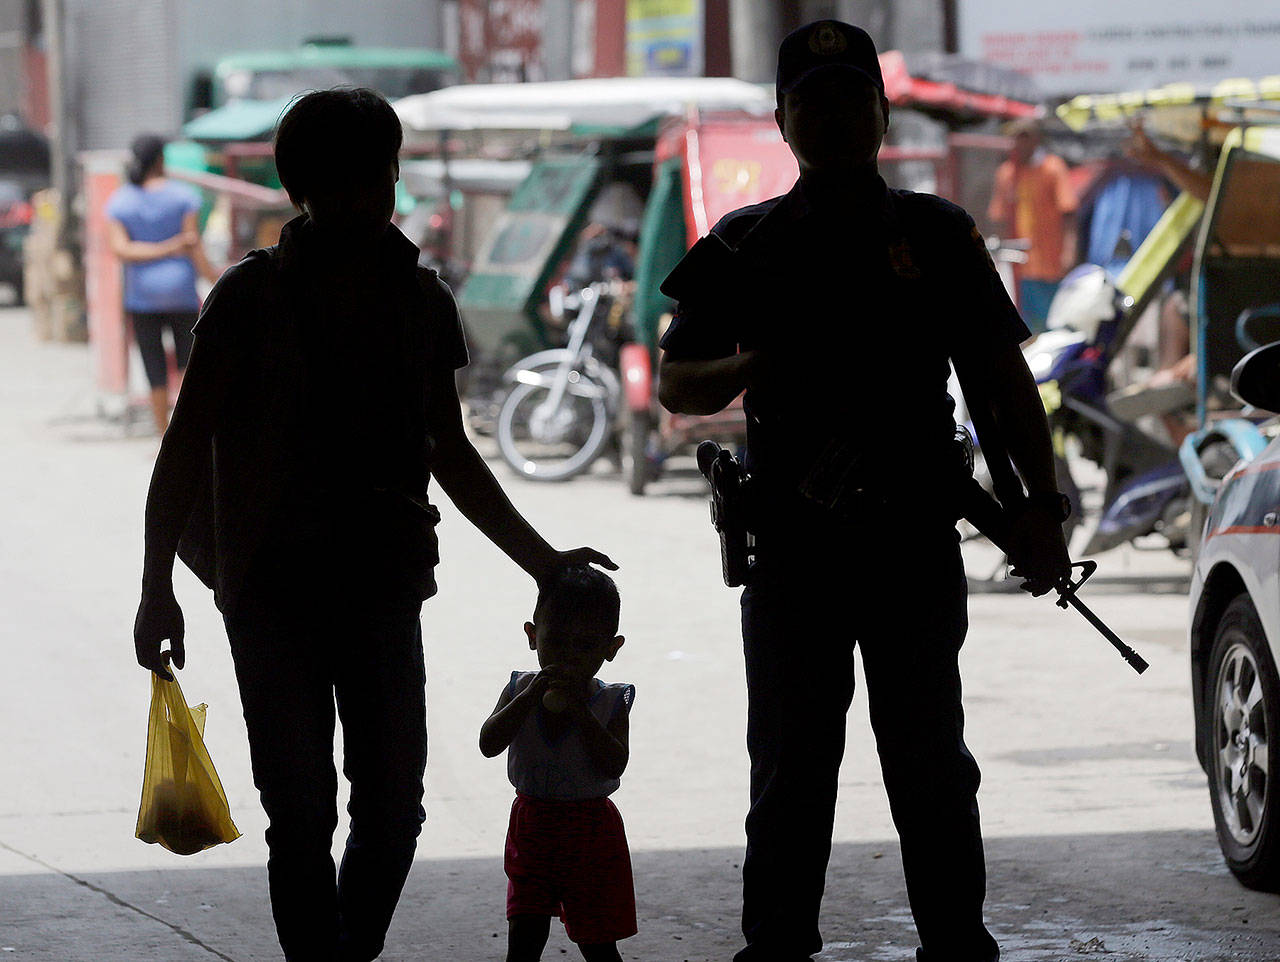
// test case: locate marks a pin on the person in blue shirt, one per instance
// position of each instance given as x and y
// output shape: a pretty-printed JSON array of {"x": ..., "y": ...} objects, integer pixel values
[{"x": 152, "y": 228}]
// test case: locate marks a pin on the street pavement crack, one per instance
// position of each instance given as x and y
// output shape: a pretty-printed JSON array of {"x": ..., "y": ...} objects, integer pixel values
[{"x": 116, "y": 900}]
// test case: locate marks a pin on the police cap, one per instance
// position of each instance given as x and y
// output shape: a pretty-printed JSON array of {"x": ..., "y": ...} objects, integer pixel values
[{"x": 823, "y": 44}]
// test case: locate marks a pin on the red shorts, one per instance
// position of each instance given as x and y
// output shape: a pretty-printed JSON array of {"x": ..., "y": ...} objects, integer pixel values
[{"x": 570, "y": 859}]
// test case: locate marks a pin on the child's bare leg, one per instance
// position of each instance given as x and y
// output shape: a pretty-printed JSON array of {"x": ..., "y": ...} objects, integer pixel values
[
  {"x": 604, "y": 952},
  {"x": 527, "y": 937}
]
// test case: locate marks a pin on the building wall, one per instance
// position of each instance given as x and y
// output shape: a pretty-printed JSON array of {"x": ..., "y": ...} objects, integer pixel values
[
  {"x": 131, "y": 63},
  {"x": 906, "y": 25},
  {"x": 512, "y": 40},
  {"x": 211, "y": 30},
  {"x": 757, "y": 28},
  {"x": 121, "y": 71},
  {"x": 12, "y": 42}
]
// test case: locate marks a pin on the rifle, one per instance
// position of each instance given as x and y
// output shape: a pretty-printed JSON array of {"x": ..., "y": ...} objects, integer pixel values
[
  {"x": 988, "y": 515},
  {"x": 730, "y": 493},
  {"x": 984, "y": 512}
]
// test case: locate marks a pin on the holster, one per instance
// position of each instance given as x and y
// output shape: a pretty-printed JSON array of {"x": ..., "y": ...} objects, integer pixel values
[{"x": 731, "y": 510}]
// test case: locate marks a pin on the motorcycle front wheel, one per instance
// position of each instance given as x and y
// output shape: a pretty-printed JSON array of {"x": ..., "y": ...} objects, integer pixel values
[{"x": 542, "y": 443}]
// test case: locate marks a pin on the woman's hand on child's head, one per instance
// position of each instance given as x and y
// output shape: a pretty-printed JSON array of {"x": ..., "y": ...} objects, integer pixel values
[{"x": 573, "y": 558}]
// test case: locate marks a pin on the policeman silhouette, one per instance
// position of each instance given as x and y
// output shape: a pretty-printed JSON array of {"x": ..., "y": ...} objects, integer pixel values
[{"x": 838, "y": 308}]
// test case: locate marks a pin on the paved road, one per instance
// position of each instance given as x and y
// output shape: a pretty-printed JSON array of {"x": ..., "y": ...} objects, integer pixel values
[{"x": 1096, "y": 813}]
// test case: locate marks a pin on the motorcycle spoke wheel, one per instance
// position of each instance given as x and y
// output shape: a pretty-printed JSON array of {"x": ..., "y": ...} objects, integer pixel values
[{"x": 545, "y": 444}]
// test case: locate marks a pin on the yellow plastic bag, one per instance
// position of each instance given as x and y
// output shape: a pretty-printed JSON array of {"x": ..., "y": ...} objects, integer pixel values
[{"x": 183, "y": 805}]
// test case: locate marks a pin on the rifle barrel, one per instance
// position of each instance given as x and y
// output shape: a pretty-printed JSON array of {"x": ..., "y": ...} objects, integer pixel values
[
  {"x": 984, "y": 512},
  {"x": 1135, "y": 660}
]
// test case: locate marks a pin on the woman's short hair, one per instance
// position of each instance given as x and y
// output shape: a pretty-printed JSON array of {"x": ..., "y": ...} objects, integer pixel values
[{"x": 330, "y": 137}]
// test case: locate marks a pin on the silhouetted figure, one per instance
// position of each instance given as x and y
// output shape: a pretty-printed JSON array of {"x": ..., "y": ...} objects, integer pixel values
[
  {"x": 565, "y": 734},
  {"x": 153, "y": 227},
  {"x": 318, "y": 402},
  {"x": 838, "y": 308}
]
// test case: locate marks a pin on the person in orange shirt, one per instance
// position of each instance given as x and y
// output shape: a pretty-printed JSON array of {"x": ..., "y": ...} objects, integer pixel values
[{"x": 1033, "y": 201}]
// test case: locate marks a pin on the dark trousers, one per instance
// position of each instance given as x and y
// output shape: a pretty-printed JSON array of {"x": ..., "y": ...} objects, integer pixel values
[
  {"x": 296, "y": 654},
  {"x": 801, "y": 616},
  {"x": 147, "y": 329}
]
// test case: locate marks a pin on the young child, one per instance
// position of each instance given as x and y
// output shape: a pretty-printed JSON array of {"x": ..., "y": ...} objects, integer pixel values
[{"x": 566, "y": 736}]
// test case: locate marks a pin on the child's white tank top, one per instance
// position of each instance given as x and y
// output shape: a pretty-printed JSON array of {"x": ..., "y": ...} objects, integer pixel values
[{"x": 559, "y": 768}]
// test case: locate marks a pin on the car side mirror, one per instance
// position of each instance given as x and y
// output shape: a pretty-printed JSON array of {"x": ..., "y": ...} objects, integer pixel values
[{"x": 1256, "y": 378}]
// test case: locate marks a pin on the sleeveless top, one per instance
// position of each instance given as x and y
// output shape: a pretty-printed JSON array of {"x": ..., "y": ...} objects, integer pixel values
[{"x": 559, "y": 769}]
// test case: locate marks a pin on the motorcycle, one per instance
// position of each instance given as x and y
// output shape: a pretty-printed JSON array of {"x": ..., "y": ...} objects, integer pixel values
[
  {"x": 1146, "y": 490},
  {"x": 561, "y": 411}
]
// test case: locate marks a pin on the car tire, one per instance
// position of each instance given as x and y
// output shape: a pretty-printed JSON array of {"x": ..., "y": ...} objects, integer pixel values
[{"x": 1242, "y": 746}]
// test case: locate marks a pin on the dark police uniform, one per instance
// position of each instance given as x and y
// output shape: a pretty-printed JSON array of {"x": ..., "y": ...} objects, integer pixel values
[{"x": 863, "y": 312}]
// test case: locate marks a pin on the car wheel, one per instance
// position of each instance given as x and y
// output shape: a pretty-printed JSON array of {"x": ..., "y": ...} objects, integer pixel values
[{"x": 1242, "y": 710}]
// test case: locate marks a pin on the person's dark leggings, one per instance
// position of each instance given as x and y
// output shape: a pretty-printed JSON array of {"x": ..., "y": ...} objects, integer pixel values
[
  {"x": 147, "y": 328},
  {"x": 801, "y": 617},
  {"x": 293, "y": 662}
]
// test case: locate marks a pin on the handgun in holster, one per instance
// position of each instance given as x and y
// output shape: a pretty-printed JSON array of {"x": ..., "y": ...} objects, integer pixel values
[{"x": 730, "y": 510}]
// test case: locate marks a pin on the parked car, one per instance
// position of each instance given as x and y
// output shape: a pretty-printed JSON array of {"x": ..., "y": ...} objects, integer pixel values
[
  {"x": 1235, "y": 644},
  {"x": 1235, "y": 588},
  {"x": 15, "y": 223}
]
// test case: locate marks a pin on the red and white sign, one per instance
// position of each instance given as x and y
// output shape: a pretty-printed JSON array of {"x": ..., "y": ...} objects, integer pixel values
[
  {"x": 500, "y": 41},
  {"x": 1096, "y": 46}
]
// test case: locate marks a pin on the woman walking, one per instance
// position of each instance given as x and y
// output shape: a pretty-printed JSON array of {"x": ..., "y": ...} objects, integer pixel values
[{"x": 152, "y": 227}]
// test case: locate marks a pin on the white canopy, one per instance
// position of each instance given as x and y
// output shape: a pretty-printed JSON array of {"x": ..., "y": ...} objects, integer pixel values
[
  {"x": 564, "y": 104},
  {"x": 428, "y": 176}
]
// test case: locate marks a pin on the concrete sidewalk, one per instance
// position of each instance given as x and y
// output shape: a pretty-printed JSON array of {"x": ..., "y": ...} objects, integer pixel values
[
  {"x": 1100, "y": 837},
  {"x": 452, "y": 908}
]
